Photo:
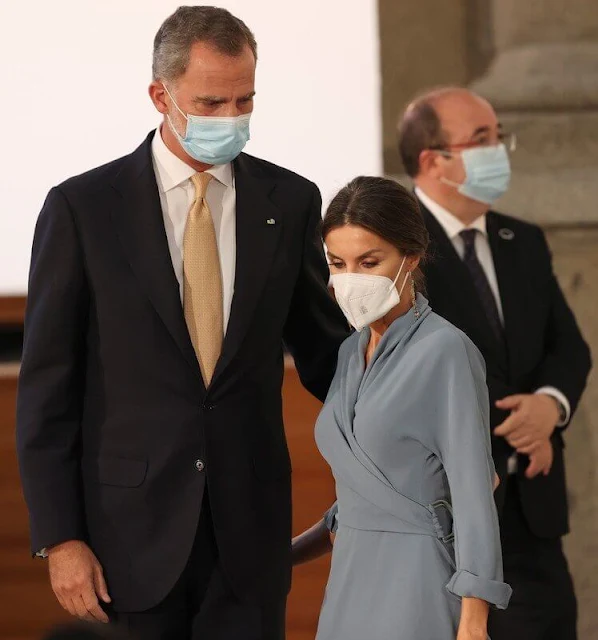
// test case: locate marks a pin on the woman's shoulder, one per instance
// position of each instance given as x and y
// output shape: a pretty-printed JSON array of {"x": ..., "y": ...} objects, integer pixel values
[{"x": 442, "y": 339}]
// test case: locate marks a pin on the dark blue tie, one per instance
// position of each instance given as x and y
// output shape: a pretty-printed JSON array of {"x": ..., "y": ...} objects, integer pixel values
[{"x": 481, "y": 283}]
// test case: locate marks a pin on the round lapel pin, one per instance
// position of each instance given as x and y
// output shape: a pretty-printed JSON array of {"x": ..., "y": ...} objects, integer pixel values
[{"x": 506, "y": 234}]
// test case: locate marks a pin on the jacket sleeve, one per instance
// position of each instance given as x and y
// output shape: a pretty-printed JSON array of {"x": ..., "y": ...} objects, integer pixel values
[
  {"x": 567, "y": 360},
  {"x": 463, "y": 446},
  {"x": 315, "y": 327},
  {"x": 51, "y": 379}
]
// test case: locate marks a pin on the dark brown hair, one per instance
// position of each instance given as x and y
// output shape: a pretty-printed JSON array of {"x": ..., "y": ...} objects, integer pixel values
[
  {"x": 420, "y": 129},
  {"x": 385, "y": 208},
  {"x": 188, "y": 25}
]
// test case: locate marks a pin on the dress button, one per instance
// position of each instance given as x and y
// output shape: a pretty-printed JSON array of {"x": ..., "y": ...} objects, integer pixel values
[{"x": 199, "y": 465}]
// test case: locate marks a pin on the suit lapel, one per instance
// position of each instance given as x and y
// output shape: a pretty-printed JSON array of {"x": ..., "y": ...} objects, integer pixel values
[
  {"x": 447, "y": 267},
  {"x": 504, "y": 246},
  {"x": 259, "y": 227},
  {"x": 140, "y": 226}
]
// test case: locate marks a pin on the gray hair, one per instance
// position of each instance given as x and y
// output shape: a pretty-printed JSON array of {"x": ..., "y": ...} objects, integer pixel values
[{"x": 188, "y": 25}]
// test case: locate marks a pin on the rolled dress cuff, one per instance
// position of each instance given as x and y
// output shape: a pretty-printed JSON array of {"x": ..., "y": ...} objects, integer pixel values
[{"x": 467, "y": 585}]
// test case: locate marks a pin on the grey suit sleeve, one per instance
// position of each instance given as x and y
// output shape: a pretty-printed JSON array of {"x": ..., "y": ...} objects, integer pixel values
[{"x": 464, "y": 448}]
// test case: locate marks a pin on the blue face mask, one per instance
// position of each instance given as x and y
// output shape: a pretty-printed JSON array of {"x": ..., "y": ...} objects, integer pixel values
[
  {"x": 487, "y": 173},
  {"x": 210, "y": 139}
]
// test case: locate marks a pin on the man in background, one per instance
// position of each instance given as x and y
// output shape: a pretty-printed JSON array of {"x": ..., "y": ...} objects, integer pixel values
[
  {"x": 149, "y": 429},
  {"x": 491, "y": 275}
]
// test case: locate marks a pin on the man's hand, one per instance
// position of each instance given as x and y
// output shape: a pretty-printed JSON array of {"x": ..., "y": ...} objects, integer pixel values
[
  {"x": 531, "y": 423},
  {"x": 540, "y": 460},
  {"x": 311, "y": 544},
  {"x": 77, "y": 580}
]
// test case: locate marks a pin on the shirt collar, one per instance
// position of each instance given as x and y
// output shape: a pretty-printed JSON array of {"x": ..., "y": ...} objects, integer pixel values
[
  {"x": 451, "y": 224},
  {"x": 172, "y": 171}
]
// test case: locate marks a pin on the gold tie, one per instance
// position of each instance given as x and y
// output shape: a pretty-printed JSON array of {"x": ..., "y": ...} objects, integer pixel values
[{"x": 202, "y": 290}]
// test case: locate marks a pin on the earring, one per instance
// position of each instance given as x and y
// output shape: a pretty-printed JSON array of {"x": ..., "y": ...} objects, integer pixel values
[{"x": 413, "y": 296}]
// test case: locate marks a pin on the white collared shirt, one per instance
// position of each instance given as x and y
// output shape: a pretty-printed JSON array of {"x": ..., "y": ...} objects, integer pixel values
[
  {"x": 452, "y": 227},
  {"x": 177, "y": 194}
]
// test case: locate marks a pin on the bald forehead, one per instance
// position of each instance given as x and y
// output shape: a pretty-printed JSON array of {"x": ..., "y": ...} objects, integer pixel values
[{"x": 461, "y": 113}]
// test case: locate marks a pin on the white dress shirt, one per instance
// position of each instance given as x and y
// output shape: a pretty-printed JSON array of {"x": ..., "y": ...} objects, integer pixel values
[
  {"x": 177, "y": 194},
  {"x": 452, "y": 227}
]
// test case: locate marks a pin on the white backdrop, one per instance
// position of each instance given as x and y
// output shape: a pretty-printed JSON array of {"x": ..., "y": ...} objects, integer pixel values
[{"x": 74, "y": 95}]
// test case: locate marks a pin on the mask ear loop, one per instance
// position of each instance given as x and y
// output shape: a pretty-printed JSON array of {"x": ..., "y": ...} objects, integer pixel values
[
  {"x": 174, "y": 102},
  {"x": 396, "y": 279},
  {"x": 170, "y": 122},
  {"x": 448, "y": 155},
  {"x": 403, "y": 285},
  {"x": 450, "y": 183}
]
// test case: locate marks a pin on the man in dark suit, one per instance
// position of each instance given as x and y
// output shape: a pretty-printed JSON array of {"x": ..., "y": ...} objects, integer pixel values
[
  {"x": 85, "y": 631},
  {"x": 491, "y": 275},
  {"x": 162, "y": 287}
]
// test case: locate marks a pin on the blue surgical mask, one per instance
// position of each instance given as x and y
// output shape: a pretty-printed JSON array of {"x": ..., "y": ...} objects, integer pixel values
[
  {"x": 487, "y": 173},
  {"x": 210, "y": 139}
]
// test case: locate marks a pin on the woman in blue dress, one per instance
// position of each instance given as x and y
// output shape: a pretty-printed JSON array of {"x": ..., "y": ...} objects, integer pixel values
[{"x": 405, "y": 430}]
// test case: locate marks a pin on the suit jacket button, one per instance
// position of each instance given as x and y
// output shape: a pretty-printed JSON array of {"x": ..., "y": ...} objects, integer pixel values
[{"x": 199, "y": 465}]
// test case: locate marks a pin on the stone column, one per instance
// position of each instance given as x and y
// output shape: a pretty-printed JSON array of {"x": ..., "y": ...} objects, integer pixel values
[
  {"x": 543, "y": 82},
  {"x": 422, "y": 44}
]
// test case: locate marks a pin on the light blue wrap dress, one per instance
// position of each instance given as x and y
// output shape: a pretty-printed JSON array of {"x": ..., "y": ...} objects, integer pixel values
[{"x": 408, "y": 441}]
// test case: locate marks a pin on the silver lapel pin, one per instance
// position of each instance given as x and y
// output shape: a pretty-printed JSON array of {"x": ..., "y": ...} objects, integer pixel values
[
  {"x": 506, "y": 234},
  {"x": 270, "y": 221}
]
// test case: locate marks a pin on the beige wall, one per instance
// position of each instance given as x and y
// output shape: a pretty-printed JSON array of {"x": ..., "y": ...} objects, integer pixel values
[
  {"x": 410, "y": 42},
  {"x": 424, "y": 44}
]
